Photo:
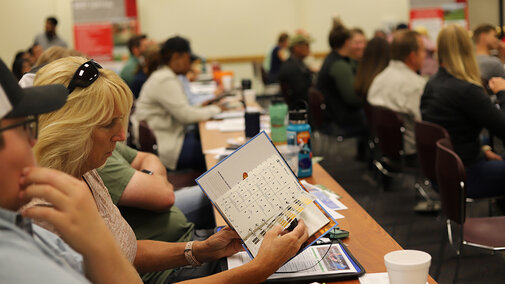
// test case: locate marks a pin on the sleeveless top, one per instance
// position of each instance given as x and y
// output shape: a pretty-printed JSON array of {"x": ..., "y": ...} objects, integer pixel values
[{"x": 111, "y": 215}]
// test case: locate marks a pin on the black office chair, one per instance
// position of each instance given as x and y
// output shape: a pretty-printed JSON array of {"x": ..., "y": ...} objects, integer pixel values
[
  {"x": 389, "y": 130},
  {"x": 427, "y": 134},
  {"x": 487, "y": 232},
  {"x": 323, "y": 131},
  {"x": 147, "y": 139}
]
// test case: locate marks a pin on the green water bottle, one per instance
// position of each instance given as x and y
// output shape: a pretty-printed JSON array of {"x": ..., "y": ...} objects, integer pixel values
[{"x": 278, "y": 111}]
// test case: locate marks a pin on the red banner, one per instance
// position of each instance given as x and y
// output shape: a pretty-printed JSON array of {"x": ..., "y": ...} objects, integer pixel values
[{"x": 94, "y": 40}]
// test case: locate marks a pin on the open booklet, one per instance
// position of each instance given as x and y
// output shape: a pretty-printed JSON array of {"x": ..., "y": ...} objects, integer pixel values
[
  {"x": 254, "y": 189},
  {"x": 317, "y": 263}
]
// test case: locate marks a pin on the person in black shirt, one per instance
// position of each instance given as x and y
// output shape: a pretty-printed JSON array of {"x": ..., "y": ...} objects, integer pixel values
[
  {"x": 455, "y": 99},
  {"x": 295, "y": 77}
]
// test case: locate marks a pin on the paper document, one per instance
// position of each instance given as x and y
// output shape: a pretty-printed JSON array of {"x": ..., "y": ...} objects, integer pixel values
[
  {"x": 327, "y": 198},
  {"x": 254, "y": 189},
  {"x": 306, "y": 263},
  {"x": 375, "y": 278}
]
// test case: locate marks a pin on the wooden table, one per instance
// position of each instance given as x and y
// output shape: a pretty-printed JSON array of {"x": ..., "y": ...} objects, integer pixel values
[{"x": 367, "y": 241}]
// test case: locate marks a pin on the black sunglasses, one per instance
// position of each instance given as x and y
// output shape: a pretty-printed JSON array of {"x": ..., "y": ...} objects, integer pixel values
[
  {"x": 30, "y": 126},
  {"x": 85, "y": 75}
]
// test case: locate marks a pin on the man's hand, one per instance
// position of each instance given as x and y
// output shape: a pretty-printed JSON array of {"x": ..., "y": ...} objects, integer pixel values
[
  {"x": 497, "y": 84},
  {"x": 279, "y": 246},
  {"x": 222, "y": 244},
  {"x": 75, "y": 217},
  {"x": 74, "y": 214},
  {"x": 492, "y": 156}
]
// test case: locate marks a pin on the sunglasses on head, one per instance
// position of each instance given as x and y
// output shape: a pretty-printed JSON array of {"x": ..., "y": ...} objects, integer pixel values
[{"x": 85, "y": 75}]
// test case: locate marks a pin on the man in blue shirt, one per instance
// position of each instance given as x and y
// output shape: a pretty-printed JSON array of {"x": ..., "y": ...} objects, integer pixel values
[{"x": 31, "y": 254}]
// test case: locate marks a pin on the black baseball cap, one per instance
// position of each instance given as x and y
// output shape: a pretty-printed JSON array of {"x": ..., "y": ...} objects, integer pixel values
[
  {"x": 20, "y": 102},
  {"x": 178, "y": 44}
]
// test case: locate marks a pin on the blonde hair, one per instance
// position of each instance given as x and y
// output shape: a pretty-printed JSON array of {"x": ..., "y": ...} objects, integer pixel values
[
  {"x": 456, "y": 54},
  {"x": 51, "y": 54},
  {"x": 65, "y": 141}
]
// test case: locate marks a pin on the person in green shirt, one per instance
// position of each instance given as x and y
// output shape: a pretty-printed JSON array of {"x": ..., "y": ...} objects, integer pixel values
[
  {"x": 138, "y": 185},
  {"x": 137, "y": 45}
]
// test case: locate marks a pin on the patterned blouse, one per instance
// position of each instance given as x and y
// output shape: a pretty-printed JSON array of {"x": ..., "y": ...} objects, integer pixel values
[{"x": 111, "y": 215}]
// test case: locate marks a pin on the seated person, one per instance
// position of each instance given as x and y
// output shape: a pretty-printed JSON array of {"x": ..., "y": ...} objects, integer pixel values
[
  {"x": 165, "y": 107},
  {"x": 455, "y": 99},
  {"x": 344, "y": 114},
  {"x": 336, "y": 81},
  {"x": 197, "y": 99},
  {"x": 295, "y": 77},
  {"x": 136, "y": 45},
  {"x": 486, "y": 41},
  {"x": 137, "y": 182},
  {"x": 277, "y": 56},
  {"x": 80, "y": 137},
  {"x": 358, "y": 44},
  {"x": 151, "y": 62},
  {"x": 31, "y": 254},
  {"x": 399, "y": 87}
]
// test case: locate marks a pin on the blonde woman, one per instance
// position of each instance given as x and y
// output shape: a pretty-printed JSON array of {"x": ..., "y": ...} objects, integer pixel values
[
  {"x": 455, "y": 99},
  {"x": 79, "y": 137}
]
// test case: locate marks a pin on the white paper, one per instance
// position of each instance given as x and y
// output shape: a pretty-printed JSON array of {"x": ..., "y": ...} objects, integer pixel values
[
  {"x": 307, "y": 263},
  {"x": 254, "y": 189},
  {"x": 327, "y": 198},
  {"x": 213, "y": 125},
  {"x": 375, "y": 278}
]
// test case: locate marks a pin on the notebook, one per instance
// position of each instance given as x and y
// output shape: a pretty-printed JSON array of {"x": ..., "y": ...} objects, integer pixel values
[{"x": 254, "y": 189}]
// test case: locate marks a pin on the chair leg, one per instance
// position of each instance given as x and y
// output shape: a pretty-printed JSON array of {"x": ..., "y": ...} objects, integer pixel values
[
  {"x": 441, "y": 256},
  {"x": 458, "y": 262},
  {"x": 449, "y": 233}
]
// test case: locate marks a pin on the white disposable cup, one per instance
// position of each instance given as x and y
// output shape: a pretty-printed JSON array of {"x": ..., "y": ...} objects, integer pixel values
[
  {"x": 407, "y": 266},
  {"x": 227, "y": 82},
  {"x": 290, "y": 154}
]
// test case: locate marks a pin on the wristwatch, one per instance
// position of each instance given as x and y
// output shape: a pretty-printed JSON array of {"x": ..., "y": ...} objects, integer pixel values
[{"x": 188, "y": 253}]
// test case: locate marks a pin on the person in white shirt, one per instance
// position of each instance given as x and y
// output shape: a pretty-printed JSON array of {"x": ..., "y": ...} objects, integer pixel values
[
  {"x": 164, "y": 106},
  {"x": 399, "y": 87}
]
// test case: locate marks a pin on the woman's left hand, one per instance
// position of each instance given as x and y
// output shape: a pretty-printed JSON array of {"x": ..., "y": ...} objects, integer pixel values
[{"x": 222, "y": 244}]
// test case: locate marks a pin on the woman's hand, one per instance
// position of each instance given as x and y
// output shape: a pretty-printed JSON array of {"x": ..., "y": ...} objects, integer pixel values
[
  {"x": 222, "y": 244},
  {"x": 278, "y": 246}
]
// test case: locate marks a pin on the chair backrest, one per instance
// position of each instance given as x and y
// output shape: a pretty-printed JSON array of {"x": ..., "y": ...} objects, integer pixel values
[
  {"x": 316, "y": 108},
  {"x": 388, "y": 126},
  {"x": 147, "y": 140},
  {"x": 368, "y": 109},
  {"x": 451, "y": 178},
  {"x": 427, "y": 135}
]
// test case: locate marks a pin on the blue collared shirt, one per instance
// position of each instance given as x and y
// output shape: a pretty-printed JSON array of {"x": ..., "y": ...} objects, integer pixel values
[{"x": 31, "y": 254}]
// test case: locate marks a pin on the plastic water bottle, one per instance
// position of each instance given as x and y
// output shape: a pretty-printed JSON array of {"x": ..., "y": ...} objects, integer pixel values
[
  {"x": 278, "y": 111},
  {"x": 299, "y": 133}
]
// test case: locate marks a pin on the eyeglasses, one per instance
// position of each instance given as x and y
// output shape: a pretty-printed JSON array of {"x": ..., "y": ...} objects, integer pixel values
[
  {"x": 85, "y": 75},
  {"x": 30, "y": 126}
]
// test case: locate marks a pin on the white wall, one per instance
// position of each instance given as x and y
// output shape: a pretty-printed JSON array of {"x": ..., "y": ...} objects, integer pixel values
[
  {"x": 216, "y": 28},
  {"x": 21, "y": 20},
  {"x": 220, "y": 28}
]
